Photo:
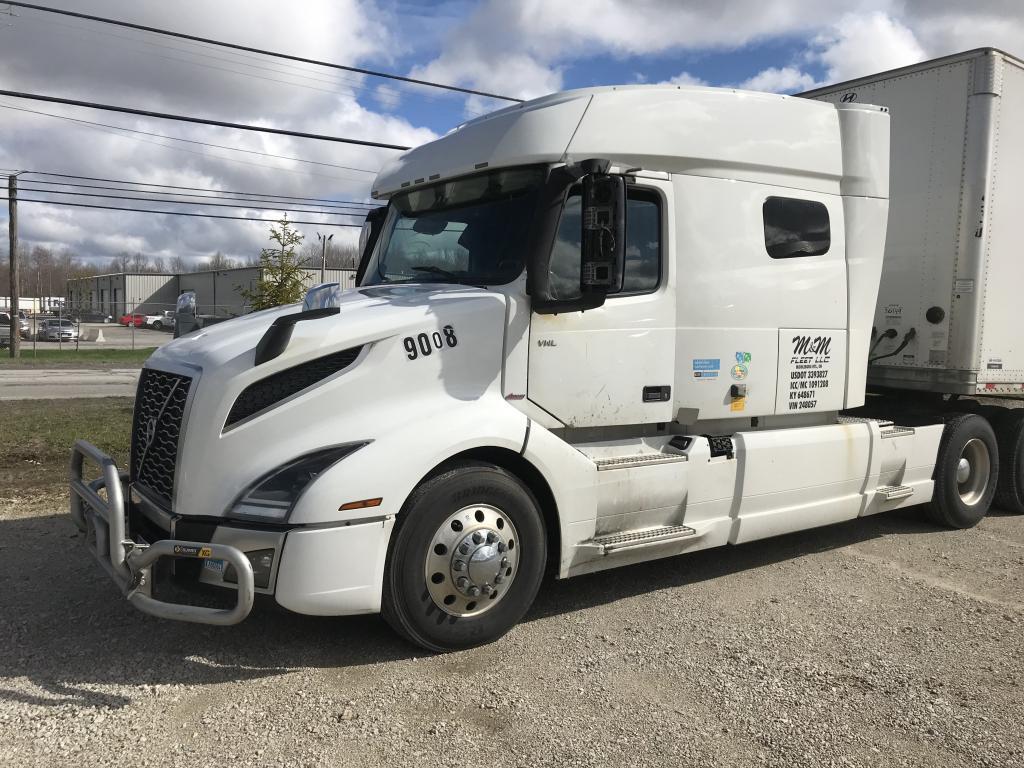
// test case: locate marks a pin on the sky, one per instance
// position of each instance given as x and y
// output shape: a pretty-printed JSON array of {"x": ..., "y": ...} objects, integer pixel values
[{"x": 520, "y": 48}]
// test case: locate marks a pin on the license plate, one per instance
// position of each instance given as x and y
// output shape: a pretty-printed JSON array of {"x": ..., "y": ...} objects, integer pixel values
[{"x": 214, "y": 566}]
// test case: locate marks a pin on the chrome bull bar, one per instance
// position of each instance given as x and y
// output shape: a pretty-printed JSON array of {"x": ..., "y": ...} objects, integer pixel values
[{"x": 129, "y": 563}]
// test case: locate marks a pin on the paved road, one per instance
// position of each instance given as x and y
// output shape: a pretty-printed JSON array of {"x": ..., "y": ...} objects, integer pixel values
[{"x": 53, "y": 383}]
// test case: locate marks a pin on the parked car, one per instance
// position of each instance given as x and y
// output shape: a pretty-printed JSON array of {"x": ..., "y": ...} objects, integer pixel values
[
  {"x": 161, "y": 320},
  {"x": 53, "y": 329},
  {"x": 136, "y": 319},
  {"x": 5, "y": 319},
  {"x": 5, "y": 334},
  {"x": 92, "y": 316}
]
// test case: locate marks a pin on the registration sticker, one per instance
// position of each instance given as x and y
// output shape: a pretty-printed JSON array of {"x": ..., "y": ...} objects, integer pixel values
[{"x": 214, "y": 566}]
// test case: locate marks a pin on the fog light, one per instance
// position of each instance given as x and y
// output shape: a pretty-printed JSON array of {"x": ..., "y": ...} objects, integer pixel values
[{"x": 262, "y": 560}]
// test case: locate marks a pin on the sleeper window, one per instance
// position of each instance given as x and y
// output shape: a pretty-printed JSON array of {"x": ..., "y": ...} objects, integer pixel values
[{"x": 795, "y": 228}]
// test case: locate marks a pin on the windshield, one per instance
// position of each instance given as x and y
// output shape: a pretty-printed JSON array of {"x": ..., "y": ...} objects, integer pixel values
[{"x": 472, "y": 230}]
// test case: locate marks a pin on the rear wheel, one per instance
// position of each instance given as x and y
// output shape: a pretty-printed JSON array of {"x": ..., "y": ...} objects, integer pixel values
[
  {"x": 1009, "y": 428},
  {"x": 466, "y": 560},
  {"x": 157, "y": 325},
  {"x": 966, "y": 472}
]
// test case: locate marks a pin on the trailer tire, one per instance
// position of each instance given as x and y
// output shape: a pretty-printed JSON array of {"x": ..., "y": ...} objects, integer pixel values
[
  {"x": 1009, "y": 428},
  {"x": 485, "y": 513},
  {"x": 966, "y": 472}
]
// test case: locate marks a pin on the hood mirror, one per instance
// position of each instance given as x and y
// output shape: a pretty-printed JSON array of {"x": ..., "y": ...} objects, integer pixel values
[
  {"x": 185, "y": 314},
  {"x": 321, "y": 296}
]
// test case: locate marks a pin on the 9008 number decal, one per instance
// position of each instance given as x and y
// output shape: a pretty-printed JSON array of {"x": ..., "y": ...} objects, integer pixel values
[{"x": 425, "y": 343}]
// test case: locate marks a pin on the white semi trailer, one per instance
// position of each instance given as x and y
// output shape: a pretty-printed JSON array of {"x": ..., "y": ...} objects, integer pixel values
[{"x": 601, "y": 327}]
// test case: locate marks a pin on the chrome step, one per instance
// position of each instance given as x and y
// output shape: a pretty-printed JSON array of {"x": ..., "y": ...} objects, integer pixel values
[
  {"x": 894, "y": 431},
  {"x": 894, "y": 492},
  {"x": 639, "y": 460},
  {"x": 640, "y": 538}
]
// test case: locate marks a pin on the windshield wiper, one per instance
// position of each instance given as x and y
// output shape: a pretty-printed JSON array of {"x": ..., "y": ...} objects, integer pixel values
[{"x": 435, "y": 271}]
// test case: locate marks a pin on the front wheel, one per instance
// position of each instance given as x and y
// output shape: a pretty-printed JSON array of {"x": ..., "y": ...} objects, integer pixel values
[
  {"x": 158, "y": 326},
  {"x": 966, "y": 472},
  {"x": 466, "y": 559}
]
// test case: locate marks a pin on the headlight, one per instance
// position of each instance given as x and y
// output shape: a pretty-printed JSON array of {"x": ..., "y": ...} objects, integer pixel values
[{"x": 273, "y": 496}]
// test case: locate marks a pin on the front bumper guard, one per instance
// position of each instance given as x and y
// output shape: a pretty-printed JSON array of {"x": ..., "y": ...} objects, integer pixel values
[{"x": 129, "y": 563}]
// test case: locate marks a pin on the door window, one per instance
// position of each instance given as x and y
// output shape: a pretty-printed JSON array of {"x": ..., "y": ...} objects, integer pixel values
[{"x": 642, "y": 267}]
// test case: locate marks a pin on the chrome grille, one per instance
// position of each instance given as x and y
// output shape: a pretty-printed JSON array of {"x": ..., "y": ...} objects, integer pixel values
[{"x": 156, "y": 430}]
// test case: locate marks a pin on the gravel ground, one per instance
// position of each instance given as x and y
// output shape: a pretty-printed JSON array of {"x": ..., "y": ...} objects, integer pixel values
[{"x": 874, "y": 643}]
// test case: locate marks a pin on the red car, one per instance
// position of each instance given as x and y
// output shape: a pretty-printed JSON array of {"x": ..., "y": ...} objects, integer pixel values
[{"x": 136, "y": 319}]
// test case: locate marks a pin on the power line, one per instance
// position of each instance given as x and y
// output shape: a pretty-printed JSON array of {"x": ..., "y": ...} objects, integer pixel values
[
  {"x": 199, "y": 120},
  {"x": 179, "y": 213},
  {"x": 261, "y": 51},
  {"x": 193, "y": 189},
  {"x": 187, "y": 141},
  {"x": 313, "y": 204},
  {"x": 191, "y": 202}
]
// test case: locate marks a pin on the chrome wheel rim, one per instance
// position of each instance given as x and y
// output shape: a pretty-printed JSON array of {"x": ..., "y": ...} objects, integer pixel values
[
  {"x": 973, "y": 471},
  {"x": 472, "y": 560}
]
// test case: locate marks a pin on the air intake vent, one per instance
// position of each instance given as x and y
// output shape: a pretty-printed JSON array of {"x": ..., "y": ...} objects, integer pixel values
[
  {"x": 270, "y": 391},
  {"x": 159, "y": 411}
]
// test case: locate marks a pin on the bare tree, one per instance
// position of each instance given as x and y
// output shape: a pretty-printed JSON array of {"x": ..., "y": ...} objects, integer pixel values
[
  {"x": 157, "y": 264},
  {"x": 220, "y": 261},
  {"x": 177, "y": 265}
]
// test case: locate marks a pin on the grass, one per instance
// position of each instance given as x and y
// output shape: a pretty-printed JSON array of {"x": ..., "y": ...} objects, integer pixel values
[
  {"x": 48, "y": 357},
  {"x": 38, "y": 435}
]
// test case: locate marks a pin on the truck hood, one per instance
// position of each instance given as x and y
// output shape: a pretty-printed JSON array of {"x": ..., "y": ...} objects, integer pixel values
[{"x": 416, "y": 348}]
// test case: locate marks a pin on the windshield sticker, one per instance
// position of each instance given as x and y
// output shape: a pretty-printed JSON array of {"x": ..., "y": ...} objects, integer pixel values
[{"x": 706, "y": 367}]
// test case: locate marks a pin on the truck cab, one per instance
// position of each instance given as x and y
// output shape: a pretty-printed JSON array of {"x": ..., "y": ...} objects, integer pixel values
[{"x": 601, "y": 327}]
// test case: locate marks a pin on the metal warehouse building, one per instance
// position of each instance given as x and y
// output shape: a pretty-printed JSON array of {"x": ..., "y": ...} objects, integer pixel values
[
  {"x": 218, "y": 292},
  {"x": 121, "y": 292}
]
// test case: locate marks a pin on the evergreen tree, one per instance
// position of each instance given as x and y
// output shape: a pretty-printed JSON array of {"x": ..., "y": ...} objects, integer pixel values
[{"x": 281, "y": 275}]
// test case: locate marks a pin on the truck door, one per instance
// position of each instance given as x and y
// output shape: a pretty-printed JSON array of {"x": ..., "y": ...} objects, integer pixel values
[{"x": 613, "y": 365}]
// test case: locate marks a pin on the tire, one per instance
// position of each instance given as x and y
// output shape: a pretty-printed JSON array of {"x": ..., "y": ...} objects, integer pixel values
[
  {"x": 964, "y": 491},
  {"x": 422, "y": 597},
  {"x": 1009, "y": 427},
  {"x": 157, "y": 325}
]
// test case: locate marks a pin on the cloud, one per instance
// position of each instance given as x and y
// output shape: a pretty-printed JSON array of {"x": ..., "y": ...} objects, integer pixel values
[
  {"x": 684, "y": 78},
  {"x": 105, "y": 64},
  {"x": 860, "y": 45},
  {"x": 779, "y": 80}
]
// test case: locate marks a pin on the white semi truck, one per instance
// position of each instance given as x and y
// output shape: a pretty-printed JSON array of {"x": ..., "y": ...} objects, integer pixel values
[{"x": 601, "y": 327}]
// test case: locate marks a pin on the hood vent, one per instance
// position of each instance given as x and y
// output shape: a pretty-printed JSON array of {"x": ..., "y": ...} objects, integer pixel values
[{"x": 273, "y": 390}]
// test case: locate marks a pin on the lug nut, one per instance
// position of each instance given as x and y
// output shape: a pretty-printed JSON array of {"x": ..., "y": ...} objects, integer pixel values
[
  {"x": 462, "y": 583},
  {"x": 504, "y": 562},
  {"x": 478, "y": 537},
  {"x": 492, "y": 537},
  {"x": 458, "y": 565},
  {"x": 498, "y": 579},
  {"x": 464, "y": 548},
  {"x": 488, "y": 589},
  {"x": 474, "y": 591},
  {"x": 501, "y": 546}
]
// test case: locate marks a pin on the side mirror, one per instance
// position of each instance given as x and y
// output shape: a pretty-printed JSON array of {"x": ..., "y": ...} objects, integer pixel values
[
  {"x": 604, "y": 227},
  {"x": 185, "y": 314}
]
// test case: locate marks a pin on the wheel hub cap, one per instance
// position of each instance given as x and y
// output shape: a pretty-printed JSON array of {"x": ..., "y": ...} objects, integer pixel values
[
  {"x": 973, "y": 472},
  {"x": 472, "y": 560}
]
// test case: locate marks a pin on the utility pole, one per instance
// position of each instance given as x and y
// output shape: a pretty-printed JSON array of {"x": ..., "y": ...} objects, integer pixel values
[
  {"x": 323, "y": 257},
  {"x": 12, "y": 229}
]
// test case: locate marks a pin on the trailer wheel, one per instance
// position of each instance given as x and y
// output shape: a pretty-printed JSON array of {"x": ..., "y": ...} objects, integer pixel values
[
  {"x": 466, "y": 559},
  {"x": 966, "y": 472},
  {"x": 1009, "y": 428}
]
